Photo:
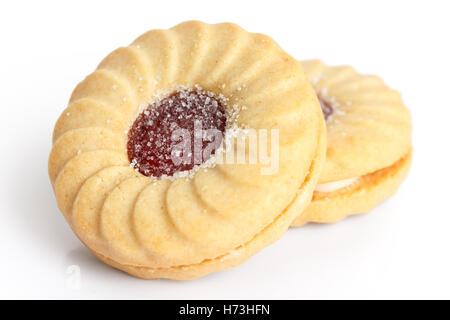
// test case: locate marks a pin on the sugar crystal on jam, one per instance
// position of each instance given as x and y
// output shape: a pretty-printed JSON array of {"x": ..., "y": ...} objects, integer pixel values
[{"x": 184, "y": 118}]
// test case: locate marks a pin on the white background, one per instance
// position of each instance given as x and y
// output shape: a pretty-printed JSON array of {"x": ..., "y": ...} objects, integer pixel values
[{"x": 399, "y": 250}]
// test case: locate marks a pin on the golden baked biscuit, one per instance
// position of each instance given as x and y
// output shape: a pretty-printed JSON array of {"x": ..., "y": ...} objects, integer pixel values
[
  {"x": 368, "y": 143},
  {"x": 153, "y": 218}
]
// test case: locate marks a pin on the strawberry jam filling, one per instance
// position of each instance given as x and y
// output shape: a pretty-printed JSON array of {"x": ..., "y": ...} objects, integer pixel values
[
  {"x": 176, "y": 133},
  {"x": 327, "y": 109}
]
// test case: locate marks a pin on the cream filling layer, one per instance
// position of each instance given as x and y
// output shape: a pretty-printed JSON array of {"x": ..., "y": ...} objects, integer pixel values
[{"x": 336, "y": 185}]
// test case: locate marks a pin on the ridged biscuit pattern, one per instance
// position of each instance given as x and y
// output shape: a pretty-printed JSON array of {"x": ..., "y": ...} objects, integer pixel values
[
  {"x": 159, "y": 227},
  {"x": 368, "y": 142},
  {"x": 369, "y": 130}
]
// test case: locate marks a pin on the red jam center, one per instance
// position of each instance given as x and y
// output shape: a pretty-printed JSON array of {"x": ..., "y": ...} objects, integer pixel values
[
  {"x": 327, "y": 109},
  {"x": 176, "y": 133}
]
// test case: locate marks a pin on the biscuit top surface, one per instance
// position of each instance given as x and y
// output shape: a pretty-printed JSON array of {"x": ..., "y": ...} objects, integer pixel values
[
  {"x": 135, "y": 217},
  {"x": 368, "y": 126}
]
